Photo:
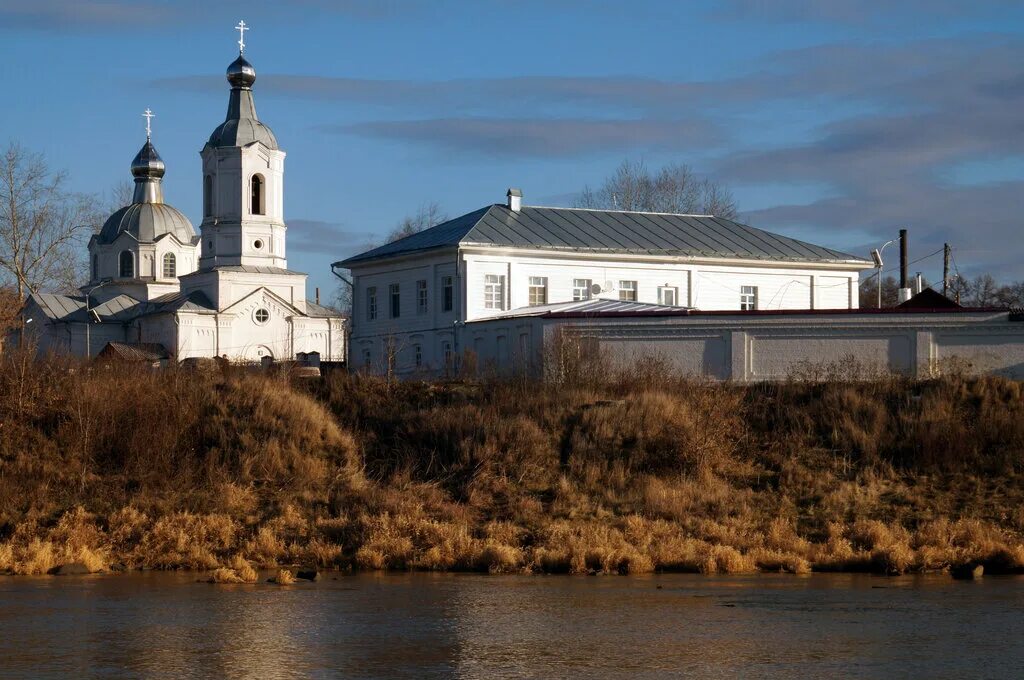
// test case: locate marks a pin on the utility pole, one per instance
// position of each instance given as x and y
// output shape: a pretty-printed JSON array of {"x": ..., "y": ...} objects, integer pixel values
[{"x": 945, "y": 269}]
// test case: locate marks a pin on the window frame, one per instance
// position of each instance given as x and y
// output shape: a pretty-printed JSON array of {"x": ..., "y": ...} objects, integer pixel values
[
  {"x": 673, "y": 290},
  {"x": 748, "y": 298},
  {"x": 371, "y": 303},
  {"x": 422, "y": 299},
  {"x": 537, "y": 291},
  {"x": 395, "y": 300},
  {"x": 447, "y": 293},
  {"x": 629, "y": 287},
  {"x": 494, "y": 291},
  {"x": 173, "y": 261},
  {"x": 584, "y": 289},
  {"x": 121, "y": 262}
]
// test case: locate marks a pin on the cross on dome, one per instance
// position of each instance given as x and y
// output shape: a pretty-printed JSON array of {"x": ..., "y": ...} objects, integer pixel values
[
  {"x": 148, "y": 115},
  {"x": 242, "y": 28}
]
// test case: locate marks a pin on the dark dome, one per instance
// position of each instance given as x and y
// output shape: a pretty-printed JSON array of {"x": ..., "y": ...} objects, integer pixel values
[
  {"x": 147, "y": 163},
  {"x": 241, "y": 73},
  {"x": 147, "y": 222}
]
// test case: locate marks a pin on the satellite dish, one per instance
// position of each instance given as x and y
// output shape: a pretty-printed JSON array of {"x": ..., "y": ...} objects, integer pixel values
[{"x": 595, "y": 289}]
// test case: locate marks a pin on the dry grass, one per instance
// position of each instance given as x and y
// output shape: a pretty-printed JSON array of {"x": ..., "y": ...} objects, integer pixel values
[{"x": 596, "y": 472}]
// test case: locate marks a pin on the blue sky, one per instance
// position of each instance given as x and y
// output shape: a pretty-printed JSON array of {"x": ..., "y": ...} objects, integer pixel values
[{"x": 836, "y": 121}]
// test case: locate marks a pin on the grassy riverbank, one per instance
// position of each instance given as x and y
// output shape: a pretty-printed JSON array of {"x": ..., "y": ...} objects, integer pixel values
[{"x": 632, "y": 473}]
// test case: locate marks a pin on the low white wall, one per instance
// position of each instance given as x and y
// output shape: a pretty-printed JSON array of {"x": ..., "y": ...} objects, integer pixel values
[{"x": 747, "y": 348}]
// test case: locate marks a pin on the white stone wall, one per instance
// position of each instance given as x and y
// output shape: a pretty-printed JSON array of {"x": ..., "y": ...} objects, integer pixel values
[{"x": 747, "y": 348}]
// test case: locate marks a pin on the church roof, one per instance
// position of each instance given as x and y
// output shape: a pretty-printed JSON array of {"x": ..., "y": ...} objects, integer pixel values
[
  {"x": 72, "y": 307},
  {"x": 609, "y": 231},
  {"x": 242, "y": 126},
  {"x": 147, "y": 222},
  {"x": 316, "y": 311},
  {"x": 196, "y": 301}
]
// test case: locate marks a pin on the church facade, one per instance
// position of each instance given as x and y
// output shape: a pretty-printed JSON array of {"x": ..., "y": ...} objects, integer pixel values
[{"x": 158, "y": 285}]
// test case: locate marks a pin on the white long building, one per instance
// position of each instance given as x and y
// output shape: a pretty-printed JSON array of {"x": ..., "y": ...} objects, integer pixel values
[{"x": 413, "y": 298}]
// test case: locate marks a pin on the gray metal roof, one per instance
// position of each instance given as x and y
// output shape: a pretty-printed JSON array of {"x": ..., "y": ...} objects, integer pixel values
[
  {"x": 147, "y": 222},
  {"x": 72, "y": 307},
  {"x": 316, "y": 311},
  {"x": 611, "y": 231},
  {"x": 241, "y": 126},
  {"x": 196, "y": 301},
  {"x": 595, "y": 307},
  {"x": 251, "y": 269}
]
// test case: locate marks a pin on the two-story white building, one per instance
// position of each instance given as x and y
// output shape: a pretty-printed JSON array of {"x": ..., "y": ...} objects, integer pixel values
[{"x": 413, "y": 297}]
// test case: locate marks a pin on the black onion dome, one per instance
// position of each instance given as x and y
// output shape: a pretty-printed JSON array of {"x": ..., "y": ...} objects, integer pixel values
[
  {"x": 241, "y": 73},
  {"x": 147, "y": 163}
]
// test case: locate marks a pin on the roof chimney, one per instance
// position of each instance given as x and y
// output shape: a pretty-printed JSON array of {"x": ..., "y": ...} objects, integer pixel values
[{"x": 515, "y": 199}]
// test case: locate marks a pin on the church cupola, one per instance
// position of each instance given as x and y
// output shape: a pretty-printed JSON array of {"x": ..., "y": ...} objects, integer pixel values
[{"x": 243, "y": 181}]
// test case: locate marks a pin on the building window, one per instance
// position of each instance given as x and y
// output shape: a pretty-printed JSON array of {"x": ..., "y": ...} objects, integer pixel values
[
  {"x": 371, "y": 303},
  {"x": 448, "y": 293},
  {"x": 95, "y": 268},
  {"x": 421, "y": 297},
  {"x": 447, "y": 353},
  {"x": 418, "y": 354},
  {"x": 748, "y": 298},
  {"x": 627, "y": 290},
  {"x": 367, "y": 358},
  {"x": 494, "y": 291},
  {"x": 581, "y": 289},
  {"x": 170, "y": 266},
  {"x": 668, "y": 295},
  {"x": 538, "y": 290},
  {"x": 208, "y": 196},
  {"x": 396, "y": 301},
  {"x": 262, "y": 316},
  {"x": 257, "y": 244},
  {"x": 257, "y": 207},
  {"x": 126, "y": 264}
]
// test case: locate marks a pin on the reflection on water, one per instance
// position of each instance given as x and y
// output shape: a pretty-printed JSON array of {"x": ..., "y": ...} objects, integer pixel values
[{"x": 157, "y": 625}]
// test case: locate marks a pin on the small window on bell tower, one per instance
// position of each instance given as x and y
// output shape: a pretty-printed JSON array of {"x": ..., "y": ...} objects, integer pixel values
[
  {"x": 208, "y": 196},
  {"x": 258, "y": 205}
]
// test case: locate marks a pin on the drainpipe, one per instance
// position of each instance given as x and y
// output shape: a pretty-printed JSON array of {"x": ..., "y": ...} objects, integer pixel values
[{"x": 351, "y": 319}]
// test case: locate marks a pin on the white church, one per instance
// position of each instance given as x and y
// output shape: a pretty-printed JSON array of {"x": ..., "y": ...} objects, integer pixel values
[{"x": 161, "y": 292}]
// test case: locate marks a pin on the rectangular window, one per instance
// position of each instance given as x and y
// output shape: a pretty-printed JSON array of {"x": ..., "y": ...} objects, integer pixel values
[
  {"x": 748, "y": 298},
  {"x": 396, "y": 301},
  {"x": 668, "y": 295},
  {"x": 371, "y": 303},
  {"x": 447, "y": 354},
  {"x": 538, "y": 290},
  {"x": 419, "y": 355},
  {"x": 627, "y": 290},
  {"x": 421, "y": 297},
  {"x": 494, "y": 291},
  {"x": 367, "y": 358},
  {"x": 581, "y": 289},
  {"x": 448, "y": 293}
]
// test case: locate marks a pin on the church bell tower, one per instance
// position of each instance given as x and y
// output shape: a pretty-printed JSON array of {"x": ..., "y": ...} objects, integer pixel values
[{"x": 243, "y": 182}]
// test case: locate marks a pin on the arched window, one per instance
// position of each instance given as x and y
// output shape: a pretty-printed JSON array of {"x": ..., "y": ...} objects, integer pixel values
[
  {"x": 170, "y": 269},
  {"x": 126, "y": 264},
  {"x": 208, "y": 196},
  {"x": 257, "y": 195},
  {"x": 95, "y": 268}
]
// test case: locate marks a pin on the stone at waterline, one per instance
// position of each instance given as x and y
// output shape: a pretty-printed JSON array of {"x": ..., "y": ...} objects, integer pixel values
[
  {"x": 967, "y": 572},
  {"x": 70, "y": 569},
  {"x": 308, "y": 574}
]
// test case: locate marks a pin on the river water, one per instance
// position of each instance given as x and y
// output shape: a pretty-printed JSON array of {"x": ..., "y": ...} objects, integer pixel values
[{"x": 166, "y": 625}]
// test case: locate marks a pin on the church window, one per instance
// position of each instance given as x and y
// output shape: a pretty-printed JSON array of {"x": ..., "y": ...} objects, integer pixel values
[
  {"x": 494, "y": 291},
  {"x": 208, "y": 196},
  {"x": 371, "y": 303},
  {"x": 257, "y": 244},
  {"x": 95, "y": 267},
  {"x": 396, "y": 301},
  {"x": 748, "y": 298},
  {"x": 627, "y": 290},
  {"x": 257, "y": 207},
  {"x": 421, "y": 296},
  {"x": 447, "y": 348},
  {"x": 538, "y": 290},
  {"x": 448, "y": 298},
  {"x": 262, "y": 316},
  {"x": 126, "y": 264},
  {"x": 418, "y": 349},
  {"x": 367, "y": 357},
  {"x": 170, "y": 266},
  {"x": 581, "y": 289}
]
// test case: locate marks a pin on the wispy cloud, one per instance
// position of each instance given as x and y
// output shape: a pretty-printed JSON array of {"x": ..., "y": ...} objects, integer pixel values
[{"x": 315, "y": 237}]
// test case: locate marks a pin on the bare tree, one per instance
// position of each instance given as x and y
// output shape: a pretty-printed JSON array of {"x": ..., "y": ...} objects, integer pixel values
[
  {"x": 429, "y": 215},
  {"x": 118, "y": 196},
  {"x": 673, "y": 189},
  {"x": 41, "y": 224}
]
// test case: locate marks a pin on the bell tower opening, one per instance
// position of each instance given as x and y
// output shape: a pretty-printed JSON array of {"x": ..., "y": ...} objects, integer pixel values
[{"x": 257, "y": 205}]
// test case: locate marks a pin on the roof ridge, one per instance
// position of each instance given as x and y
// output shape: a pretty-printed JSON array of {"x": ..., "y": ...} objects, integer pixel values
[{"x": 631, "y": 212}]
